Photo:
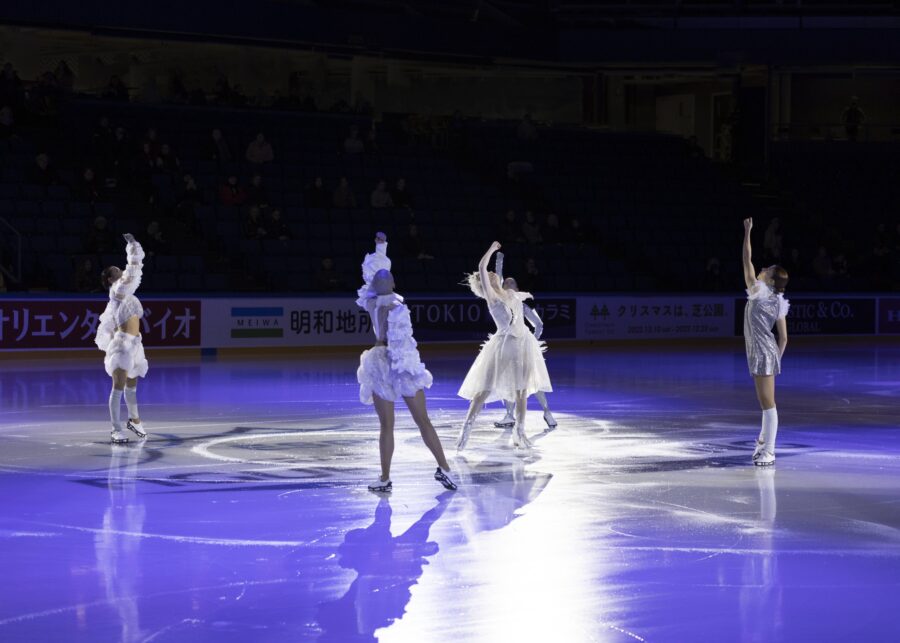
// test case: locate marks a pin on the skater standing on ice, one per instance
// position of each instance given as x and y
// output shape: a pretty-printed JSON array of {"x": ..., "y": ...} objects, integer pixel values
[
  {"x": 511, "y": 364},
  {"x": 392, "y": 367},
  {"x": 509, "y": 420},
  {"x": 766, "y": 307},
  {"x": 119, "y": 335}
]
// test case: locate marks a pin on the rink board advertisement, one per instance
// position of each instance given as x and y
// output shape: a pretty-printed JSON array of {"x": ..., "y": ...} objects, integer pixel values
[
  {"x": 232, "y": 323},
  {"x": 827, "y": 315},
  {"x": 660, "y": 317},
  {"x": 47, "y": 324},
  {"x": 889, "y": 316}
]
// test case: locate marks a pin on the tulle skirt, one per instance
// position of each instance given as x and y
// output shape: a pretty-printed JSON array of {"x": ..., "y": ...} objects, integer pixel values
[
  {"x": 506, "y": 365},
  {"x": 376, "y": 377},
  {"x": 126, "y": 352}
]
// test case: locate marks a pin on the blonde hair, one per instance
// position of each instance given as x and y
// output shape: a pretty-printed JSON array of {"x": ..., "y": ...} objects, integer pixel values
[{"x": 473, "y": 281}]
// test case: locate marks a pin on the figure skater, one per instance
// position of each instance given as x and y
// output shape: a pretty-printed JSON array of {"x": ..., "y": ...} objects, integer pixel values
[
  {"x": 119, "y": 335},
  {"x": 509, "y": 420},
  {"x": 392, "y": 368},
  {"x": 511, "y": 364},
  {"x": 766, "y": 307}
]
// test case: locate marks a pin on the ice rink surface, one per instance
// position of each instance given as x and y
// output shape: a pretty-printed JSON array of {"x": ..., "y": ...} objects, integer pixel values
[{"x": 245, "y": 517}]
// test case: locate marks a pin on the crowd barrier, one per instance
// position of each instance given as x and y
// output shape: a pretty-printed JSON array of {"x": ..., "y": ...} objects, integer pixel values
[{"x": 39, "y": 324}]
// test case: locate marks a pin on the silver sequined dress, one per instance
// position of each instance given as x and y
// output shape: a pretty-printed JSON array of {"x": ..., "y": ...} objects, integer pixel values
[{"x": 763, "y": 309}]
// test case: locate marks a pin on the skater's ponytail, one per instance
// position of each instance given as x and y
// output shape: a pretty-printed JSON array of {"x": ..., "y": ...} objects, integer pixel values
[
  {"x": 109, "y": 276},
  {"x": 780, "y": 277}
]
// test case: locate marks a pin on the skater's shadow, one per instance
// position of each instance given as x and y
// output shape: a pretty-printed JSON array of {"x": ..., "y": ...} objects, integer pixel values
[{"x": 387, "y": 567}]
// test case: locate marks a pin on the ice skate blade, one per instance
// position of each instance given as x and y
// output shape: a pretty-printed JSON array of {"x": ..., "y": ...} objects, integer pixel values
[
  {"x": 504, "y": 424},
  {"x": 119, "y": 440},
  {"x": 384, "y": 488},
  {"x": 764, "y": 464}
]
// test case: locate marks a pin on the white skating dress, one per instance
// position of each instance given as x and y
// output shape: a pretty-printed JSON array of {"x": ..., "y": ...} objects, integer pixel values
[
  {"x": 392, "y": 368},
  {"x": 511, "y": 360},
  {"x": 124, "y": 351},
  {"x": 763, "y": 309}
]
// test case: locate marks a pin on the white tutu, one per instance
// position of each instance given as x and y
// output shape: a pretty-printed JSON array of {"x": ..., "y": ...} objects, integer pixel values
[
  {"x": 126, "y": 352},
  {"x": 395, "y": 370},
  {"x": 507, "y": 364}
]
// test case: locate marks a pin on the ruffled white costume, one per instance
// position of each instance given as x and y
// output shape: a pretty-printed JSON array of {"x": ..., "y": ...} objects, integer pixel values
[
  {"x": 512, "y": 359},
  {"x": 124, "y": 351},
  {"x": 393, "y": 368},
  {"x": 764, "y": 307}
]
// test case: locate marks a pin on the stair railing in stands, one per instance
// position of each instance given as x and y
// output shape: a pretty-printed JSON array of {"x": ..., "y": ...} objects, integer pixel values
[{"x": 14, "y": 272}]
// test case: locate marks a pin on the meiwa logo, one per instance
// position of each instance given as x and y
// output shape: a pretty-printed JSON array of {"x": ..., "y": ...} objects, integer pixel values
[{"x": 252, "y": 323}]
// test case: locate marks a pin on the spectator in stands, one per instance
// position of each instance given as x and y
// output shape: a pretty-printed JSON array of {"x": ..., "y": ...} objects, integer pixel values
[
  {"x": 42, "y": 172},
  {"x": 551, "y": 233},
  {"x": 510, "y": 230},
  {"x": 370, "y": 144},
  {"x": 353, "y": 144},
  {"x": 821, "y": 265},
  {"x": 85, "y": 277},
  {"x": 255, "y": 226},
  {"x": 219, "y": 149},
  {"x": 400, "y": 195},
  {"x": 343, "y": 195},
  {"x": 65, "y": 77},
  {"x": 713, "y": 280},
  {"x": 278, "y": 227},
  {"x": 853, "y": 119},
  {"x": 841, "y": 270},
  {"x": 178, "y": 92},
  {"x": 773, "y": 240},
  {"x": 120, "y": 148},
  {"x": 146, "y": 163},
  {"x": 187, "y": 201},
  {"x": 12, "y": 91},
  {"x": 231, "y": 192},
  {"x": 578, "y": 233},
  {"x": 316, "y": 195},
  {"x": 415, "y": 245},
  {"x": 99, "y": 239},
  {"x": 381, "y": 198},
  {"x": 526, "y": 131},
  {"x": 169, "y": 161},
  {"x": 155, "y": 243},
  {"x": 327, "y": 278},
  {"x": 257, "y": 194},
  {"x": 531, "y": 281},
  {"x": 89, "y": 186},
  {"x": 531, "y": 229},
  {"x": 7, "y": 123},
  {"x": 260, "y": 151},
  {"x": 116, "y": 90}
]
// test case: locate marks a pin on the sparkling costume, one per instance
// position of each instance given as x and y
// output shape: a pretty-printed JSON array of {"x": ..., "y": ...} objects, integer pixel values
[
  {"x": 764, "y": 307},
  {"x": 392, "y": 368},
  {"x": 124, "y": 351},
  {"x": 511, "y": 360}
]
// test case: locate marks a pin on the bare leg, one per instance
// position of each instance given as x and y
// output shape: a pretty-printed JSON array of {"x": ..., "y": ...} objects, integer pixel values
[
  {"x": 542, "y": 399},
  {"x": 119, "y": 379},
  {"x": 474, "y": 409},
  {"x": 519, "y": 437},
  {"x": 765, "y": 390},
  {"x": 419, "y": 414},
  {"x": 385, "y": 412}
]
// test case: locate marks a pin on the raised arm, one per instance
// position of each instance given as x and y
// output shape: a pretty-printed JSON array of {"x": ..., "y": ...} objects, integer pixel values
[
  {"x": 489, "y": 294},
  {"x": 749, "y": 273},
  {"x": 533, "y": 319},
  {"x": 498, "y": 265},
  {"x": 372, "y": 263},
  {"x": 128, "y": 283}
]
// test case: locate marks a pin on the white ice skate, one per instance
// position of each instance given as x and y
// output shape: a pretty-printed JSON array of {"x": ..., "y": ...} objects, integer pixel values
[
  {"x": 381, "y": 486},
  {"x": 508, "y": 421},
  {"x": 549, "y": 419},
  {"x": 446, "y": 479},
  {"x": 764, "y": 454},
  {"x": 463, "y": 438},
  {"x": 118, "y": 436},
  {"x": 520, "y": 440},
  {"x": 762, "y": 457},
  {"x": 137, "y": 428}
]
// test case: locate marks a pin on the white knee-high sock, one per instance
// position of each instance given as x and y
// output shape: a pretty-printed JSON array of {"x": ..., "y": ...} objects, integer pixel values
[
  {"x": 769, "y": 429},
  {"x": 115, "y": 408},
  {"x": 131, "y": 403},
  {"x": 542, "y": 399}
]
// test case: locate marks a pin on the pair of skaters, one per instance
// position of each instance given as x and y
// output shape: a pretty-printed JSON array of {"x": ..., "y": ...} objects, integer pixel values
[{"x": 509, "y": 367}]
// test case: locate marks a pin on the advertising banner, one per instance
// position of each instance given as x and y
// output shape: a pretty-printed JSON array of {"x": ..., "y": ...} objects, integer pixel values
[
  {"x": 889, "y": 316},
  {"x": 822, "y": 316},
  {"x": 39, "y": 324},
  {"x": 615, "y": 317},
  {"x": 340, "y": 322}
]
